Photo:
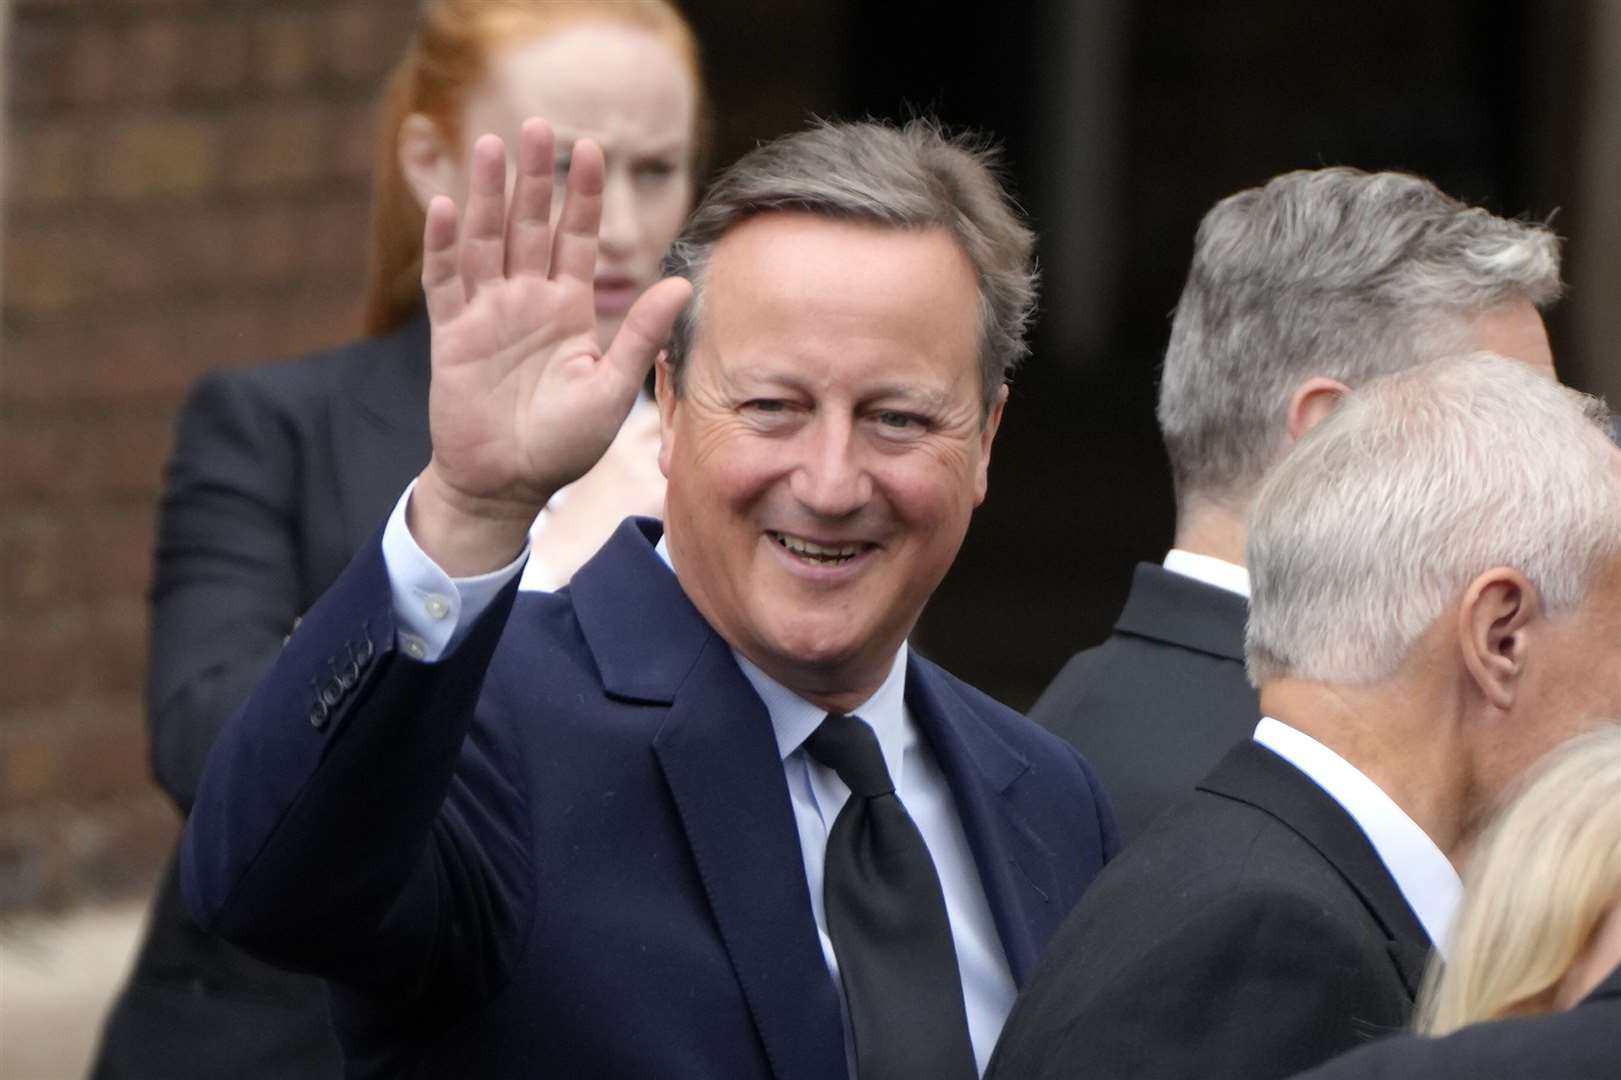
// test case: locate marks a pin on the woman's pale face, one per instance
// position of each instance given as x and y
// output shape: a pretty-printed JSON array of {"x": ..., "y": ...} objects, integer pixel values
[{"x": 632, "y": 94}]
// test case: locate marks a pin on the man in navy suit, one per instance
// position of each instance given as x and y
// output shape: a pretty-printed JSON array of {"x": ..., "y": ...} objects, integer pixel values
[{"x": 703, "y": 813}]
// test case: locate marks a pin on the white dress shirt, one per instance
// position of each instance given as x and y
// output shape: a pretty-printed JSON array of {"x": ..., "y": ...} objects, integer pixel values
[
  {"x": 434, "y": 612},
  {"x": 1210, "y": 570},
  {"x": 1425, "y": 876}
]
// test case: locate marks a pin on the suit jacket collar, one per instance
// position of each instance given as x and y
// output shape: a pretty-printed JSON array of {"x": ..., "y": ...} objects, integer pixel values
[
  {"x": 983, "y": 770},
  {"x": 388, "y": 382},
  {"x": 1182, "y": 611},
  {"x": 720, "y": 759},
  {"x": 1254, "y": 775},
  {"x": 380, "y": 424}
]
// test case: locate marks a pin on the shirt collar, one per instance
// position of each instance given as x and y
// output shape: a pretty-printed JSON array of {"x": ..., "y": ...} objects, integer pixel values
[
  {"x": 1425, "y": 876},
  {"x": 793, "y": 718},
  {"x": 1210, "y": 570}
]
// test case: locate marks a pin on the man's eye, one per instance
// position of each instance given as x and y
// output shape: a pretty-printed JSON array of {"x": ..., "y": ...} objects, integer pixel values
[
  {"x": 899, "y": 421},
  {"x": 765, "y": 405}
]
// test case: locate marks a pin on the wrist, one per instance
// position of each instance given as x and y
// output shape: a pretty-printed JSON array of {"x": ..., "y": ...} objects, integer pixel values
[{"x": 467, "y": 534}]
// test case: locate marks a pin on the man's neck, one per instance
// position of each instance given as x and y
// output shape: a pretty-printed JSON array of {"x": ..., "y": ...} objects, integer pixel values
[
  {"x": 1396, "y": 736},
  {"x": 1208, "y": 528}
]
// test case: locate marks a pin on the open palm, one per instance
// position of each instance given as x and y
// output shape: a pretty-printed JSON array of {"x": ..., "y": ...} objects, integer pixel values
[{"x": 523, "y": 400}]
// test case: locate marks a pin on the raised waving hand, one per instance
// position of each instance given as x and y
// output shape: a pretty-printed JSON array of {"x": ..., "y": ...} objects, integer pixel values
[{"x": 523, "y": 399}]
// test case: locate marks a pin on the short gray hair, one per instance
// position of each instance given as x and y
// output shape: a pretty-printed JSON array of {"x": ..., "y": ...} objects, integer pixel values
[
  {"x": 1332, "y": 272},
  {"x": 910, "y": 177},
  {"x": 1418, "y": 483}
]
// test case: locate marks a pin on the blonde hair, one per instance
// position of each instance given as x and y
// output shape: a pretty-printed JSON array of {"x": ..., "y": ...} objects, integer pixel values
[
  {"x": 1545, "y": 872},
  {"x": 448, "y": 55}
]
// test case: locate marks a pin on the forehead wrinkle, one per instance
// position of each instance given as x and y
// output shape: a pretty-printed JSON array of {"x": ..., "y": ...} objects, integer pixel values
[{"x": 925, "y": 396}]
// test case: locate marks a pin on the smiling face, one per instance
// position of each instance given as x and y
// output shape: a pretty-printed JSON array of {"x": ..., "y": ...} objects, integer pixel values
[
  {"x": 828, "y": 445},
  {"x": 628, "y": 90}
]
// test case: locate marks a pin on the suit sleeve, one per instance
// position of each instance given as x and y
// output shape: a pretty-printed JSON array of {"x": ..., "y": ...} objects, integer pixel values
[
  {"x": 225, "y": 589},
  {"x": 351, "y": 822},
  {"x": 1253, "y": 987}
]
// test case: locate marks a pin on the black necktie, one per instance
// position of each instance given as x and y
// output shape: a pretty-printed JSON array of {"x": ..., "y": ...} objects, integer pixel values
[{"x": 887, "y": 918}]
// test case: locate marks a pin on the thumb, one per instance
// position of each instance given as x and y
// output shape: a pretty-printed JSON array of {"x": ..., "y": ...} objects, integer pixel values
[{"x": 647, "y": 327}]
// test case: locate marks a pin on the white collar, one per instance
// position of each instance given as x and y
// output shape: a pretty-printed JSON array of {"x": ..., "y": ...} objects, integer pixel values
[
  {"x": 1210, "y": 570},
  {"x": 793, "y": 718},
  {"x": 1425, "y": 876}
]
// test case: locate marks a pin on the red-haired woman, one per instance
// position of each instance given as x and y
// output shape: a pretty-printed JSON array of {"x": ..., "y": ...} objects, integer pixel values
[{"x": 280, "y": 472}]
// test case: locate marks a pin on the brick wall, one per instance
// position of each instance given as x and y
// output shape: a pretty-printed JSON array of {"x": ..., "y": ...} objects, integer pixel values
[
  {"x": 186, "y": 187},
  {"x": 186, "y": 184}
]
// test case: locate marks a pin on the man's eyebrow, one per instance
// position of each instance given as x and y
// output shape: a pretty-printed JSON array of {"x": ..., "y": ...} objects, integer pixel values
[
  {"x": 923, "y": 397},
  {"x": 928, "y": 397}
]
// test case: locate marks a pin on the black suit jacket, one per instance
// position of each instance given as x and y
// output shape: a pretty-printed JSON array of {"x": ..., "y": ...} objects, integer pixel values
[
  {"x": 279, "y": 474},
  {"x": 1583, "y": 1043},
  {"x": 1161, "y": 701},
  {"x": 1250, "y": 933}
]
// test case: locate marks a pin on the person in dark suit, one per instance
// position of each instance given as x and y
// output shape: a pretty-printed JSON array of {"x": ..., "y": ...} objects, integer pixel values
[
  {"x": 703, "y": 813},
  {"x": 1313, "y": 282},
  {"x": 281, "y": 473},
  {"x": 1532, "y": 988},
  {"x": 1437, "y": 602}
]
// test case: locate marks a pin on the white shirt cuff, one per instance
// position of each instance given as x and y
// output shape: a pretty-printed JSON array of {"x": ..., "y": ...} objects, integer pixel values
[{"x": 432, "y": 610}]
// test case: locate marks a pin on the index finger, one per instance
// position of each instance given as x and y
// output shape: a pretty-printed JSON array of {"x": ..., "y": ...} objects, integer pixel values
[{"x": 574, "y": 250}]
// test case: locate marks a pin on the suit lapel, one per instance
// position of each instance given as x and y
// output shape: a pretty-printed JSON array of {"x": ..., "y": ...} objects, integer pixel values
[
  {"x": 1182, "y": 611},
  {"x": 1254, "y": 775},
  {"x": 1015, "y": 867},
  {"x": 380, "y": 427},
  {"x": 719, "y": 757}
]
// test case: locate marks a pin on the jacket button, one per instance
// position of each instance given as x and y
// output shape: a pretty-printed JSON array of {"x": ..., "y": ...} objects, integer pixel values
[
  {"x": 331, "y": 694},
  {"x": 319, "y": 715}
]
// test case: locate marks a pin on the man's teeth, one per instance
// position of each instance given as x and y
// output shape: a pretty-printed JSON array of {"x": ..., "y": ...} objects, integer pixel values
[{"x": 806, "y": 549}]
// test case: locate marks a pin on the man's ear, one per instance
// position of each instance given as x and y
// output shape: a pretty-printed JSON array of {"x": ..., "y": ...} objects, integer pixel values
[
  {"x": 1494, "y": 622},
  {"x": 664, "y": 394},
  {"x": 426, "y": 160},
  {"x": 987, "y": 435},
  {"x": 1311, "y": 402}
]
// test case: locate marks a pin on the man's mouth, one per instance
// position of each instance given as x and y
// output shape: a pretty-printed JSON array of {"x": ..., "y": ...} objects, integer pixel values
[{"x": 820, "y": 554}]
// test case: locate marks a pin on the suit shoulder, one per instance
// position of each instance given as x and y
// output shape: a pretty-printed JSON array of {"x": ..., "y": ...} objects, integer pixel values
[
  {"x": 1013, "y": 726},
  {"x": 296, "y": 381},
  {"x": 1583, "y": 1043},
  {"x": 1208, "y": 850}
]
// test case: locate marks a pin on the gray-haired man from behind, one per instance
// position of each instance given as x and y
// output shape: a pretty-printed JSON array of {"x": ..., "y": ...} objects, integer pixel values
[
  {"x": 1315, "y": 282},
  {"x": 1437, "y": 601}
]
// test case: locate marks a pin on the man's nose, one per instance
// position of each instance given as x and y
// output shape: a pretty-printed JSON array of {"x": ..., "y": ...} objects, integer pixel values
[{"x": 832, "y": 479}]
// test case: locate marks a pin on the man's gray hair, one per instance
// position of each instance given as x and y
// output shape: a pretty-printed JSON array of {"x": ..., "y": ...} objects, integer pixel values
[
  {"x": 1419, "y": 482},
  {"x": 1332, "y": 272},
  {"x": 910, "y": 177}
]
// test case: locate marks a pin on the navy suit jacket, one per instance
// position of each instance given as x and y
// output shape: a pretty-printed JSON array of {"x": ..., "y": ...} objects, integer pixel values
[{"x": 568, "y": 848}]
